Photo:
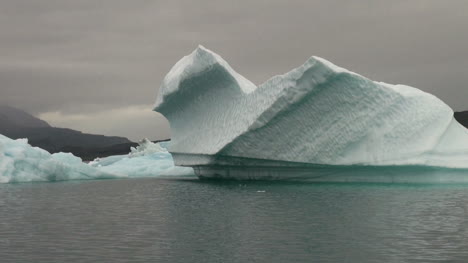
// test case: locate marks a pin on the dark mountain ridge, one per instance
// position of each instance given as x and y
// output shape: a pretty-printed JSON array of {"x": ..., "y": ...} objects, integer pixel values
[
  {"x": 12, "y": 117},
  {"x": 462, "y": 117},
  {"x": 91, "y": 153},
  {"x": 15, "y": 123}
]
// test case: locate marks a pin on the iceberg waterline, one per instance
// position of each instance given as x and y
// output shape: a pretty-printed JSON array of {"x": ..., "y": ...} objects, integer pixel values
[
  {"x": 316, "y": 114},
  {"x": 20, "y": 162}
]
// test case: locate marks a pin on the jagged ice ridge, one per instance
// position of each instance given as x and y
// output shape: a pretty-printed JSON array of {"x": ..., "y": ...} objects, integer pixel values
[{"x": 20, "y": 162}]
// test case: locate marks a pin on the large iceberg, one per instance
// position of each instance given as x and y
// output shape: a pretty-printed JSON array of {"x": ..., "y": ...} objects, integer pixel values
[
  {"x": 20, "y": 162},
  {"x": 317, "y": 117}
]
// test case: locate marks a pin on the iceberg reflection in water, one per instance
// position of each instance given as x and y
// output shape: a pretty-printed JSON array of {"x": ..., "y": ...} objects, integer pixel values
[{"x": 338, "y": 174}]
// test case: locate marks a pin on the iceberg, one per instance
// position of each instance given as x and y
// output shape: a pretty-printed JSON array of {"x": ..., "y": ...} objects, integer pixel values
[
  {"x": 20, "y": 162},
  {"x": 316, "y": 121},
  {"x": 146, "y": 160}
]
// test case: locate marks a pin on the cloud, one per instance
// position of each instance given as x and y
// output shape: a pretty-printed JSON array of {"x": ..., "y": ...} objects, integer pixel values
[
  {"x": 135, "y": 122},
  {"x": 81, "y": 57}
]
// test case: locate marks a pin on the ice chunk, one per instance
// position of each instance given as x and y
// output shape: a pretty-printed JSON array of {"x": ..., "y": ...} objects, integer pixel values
[
  {"x": 146, "y": 147},
  {"x": 20, "y": 162},
  {"x": 146, "y": 160},
  {"x": 316, "y": 114}
]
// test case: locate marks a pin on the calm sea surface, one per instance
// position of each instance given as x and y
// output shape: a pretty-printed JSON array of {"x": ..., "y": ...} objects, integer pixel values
[{"x": 187, "y": 220}]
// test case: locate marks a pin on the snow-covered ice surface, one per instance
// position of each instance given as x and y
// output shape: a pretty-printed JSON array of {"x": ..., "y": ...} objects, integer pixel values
[
  {"x": 316, "y": 114},
  {"x": 20, "y": 162},
  {"x": 146, "y": 160}
]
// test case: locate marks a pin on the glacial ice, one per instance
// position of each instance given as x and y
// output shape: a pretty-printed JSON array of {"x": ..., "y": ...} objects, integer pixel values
[
  {"x": 20, "y": 162},
  {"x": 317, "y": 114},
  {"x": 146, "y": 160}
]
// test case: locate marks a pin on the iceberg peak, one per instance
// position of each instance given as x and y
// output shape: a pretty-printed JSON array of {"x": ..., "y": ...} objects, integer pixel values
[{"x": 201, "y": 61}]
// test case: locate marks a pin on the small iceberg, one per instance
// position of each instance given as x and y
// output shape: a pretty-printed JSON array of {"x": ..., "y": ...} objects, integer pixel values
[{"x": 20, "y": 162}]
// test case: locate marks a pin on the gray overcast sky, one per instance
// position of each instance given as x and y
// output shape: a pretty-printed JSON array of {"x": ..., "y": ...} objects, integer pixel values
[{"x": 96, "y": 66}]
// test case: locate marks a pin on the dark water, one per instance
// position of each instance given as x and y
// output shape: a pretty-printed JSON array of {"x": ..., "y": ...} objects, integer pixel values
[{"x": 167, "y": 220}]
